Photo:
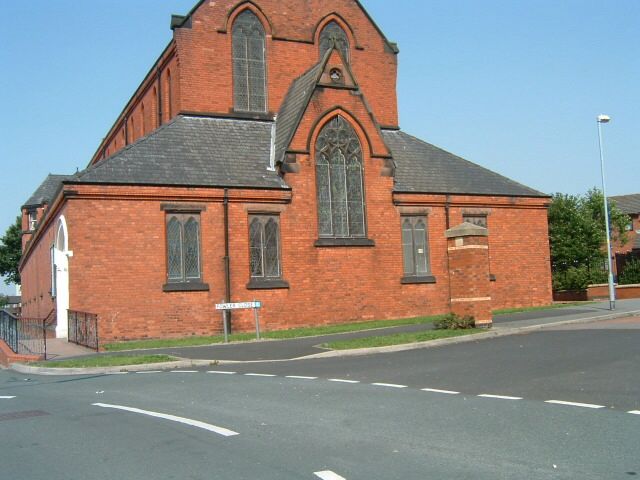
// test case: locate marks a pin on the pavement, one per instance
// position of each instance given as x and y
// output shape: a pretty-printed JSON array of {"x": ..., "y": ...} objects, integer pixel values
[{"x": 310, "y": 347}]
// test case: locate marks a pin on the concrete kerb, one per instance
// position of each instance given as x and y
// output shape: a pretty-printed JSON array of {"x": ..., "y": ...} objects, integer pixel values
[
  {"x": 23, "y": 368},
  {"x": 499, "y": 332}
]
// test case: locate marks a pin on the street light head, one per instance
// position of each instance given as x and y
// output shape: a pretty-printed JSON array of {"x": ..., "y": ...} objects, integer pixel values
[{"x": 604, "y": 118}]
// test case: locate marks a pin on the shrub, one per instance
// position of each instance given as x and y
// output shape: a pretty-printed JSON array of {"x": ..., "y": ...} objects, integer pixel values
[
  {"x": 578, "y": 278},
  {"x": 454, "y": 322},
  {"x": 631, "y": 273}
]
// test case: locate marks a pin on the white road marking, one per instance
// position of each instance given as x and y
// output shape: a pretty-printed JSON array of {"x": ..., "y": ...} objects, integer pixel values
[
  {"x": 342, "y": 380},
  {"x": 390, "y": 385},
  {"x": 435, "y": 390},
  {"x": 150, "y": 371},
  {"x": 301, "y": 378},
  {"x": 500, "y": 397},
  {"x": 259, "y": 375},
  {"x": 635, "y": 412},
  {"x": 187, "y": 421},
  {"x": 221, "y": 372},
  {"x": 328, "y": 475},
  {"x": 574, "y": 404},
  {"x": 116, "y": 373},
  {"x": 7, "y": 397},
  {"x": 184, "y": 371}
]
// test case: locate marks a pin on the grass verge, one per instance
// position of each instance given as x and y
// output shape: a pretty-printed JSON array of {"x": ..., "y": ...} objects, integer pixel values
[
  {"x": 504, "y": 311},
  {"x": 277, "y": 335},
  {"x": 399, "y": 339},
  {"x": 105, "y": 361}
]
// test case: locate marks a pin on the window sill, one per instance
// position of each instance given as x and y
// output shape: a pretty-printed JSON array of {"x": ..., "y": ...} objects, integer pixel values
[
  {"x": 344, "y": 242},
  {"x": 408, "y": 280},
  {"x": 492, "y": 277},
  {"x": 255, "y": 284},
  {"x": 185, "y": 287}
]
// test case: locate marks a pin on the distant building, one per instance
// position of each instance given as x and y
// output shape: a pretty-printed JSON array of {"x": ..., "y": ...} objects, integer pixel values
[
  {"x": 261, "y": 158},
  {"x": 630, "y": 204}
]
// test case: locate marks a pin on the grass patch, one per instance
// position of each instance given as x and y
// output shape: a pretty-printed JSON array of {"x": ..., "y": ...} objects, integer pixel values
[
  {"x": 277, "y": 335},
  {"x": 105, "y": 361},
  {"x": 504, "y": 311},
  {"x": 399, "y": 339}
]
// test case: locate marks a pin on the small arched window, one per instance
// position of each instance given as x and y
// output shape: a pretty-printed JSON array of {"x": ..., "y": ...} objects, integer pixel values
[
  {"x": 339, "y": 172},
  {"x": 332, "y": 34},
  {"x": 249, "y": 73},
  {"x": 169, "y": 95}
]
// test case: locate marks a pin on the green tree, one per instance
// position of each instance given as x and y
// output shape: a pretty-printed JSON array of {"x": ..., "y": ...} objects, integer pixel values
[
  {"x": 10, "y": 252},
  {"x": 577, "y": 236},
  {"x": 3, "y": 300}
]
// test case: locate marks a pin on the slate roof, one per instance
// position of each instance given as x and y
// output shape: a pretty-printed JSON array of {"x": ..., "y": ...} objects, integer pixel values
[
  {"x": 629, "y": 204},
  {"x": 14, "y": 299},
  {"x": 193, "y": 151},
  {"x": 425, "y": 168},
  {"x": 47, "y": 190},
  {"x": 294, "y": 105}
]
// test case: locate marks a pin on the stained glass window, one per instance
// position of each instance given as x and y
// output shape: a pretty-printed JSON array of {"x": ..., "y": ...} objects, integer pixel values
[
  {"x": 249, "y": 77},
  {"x": 331, "y": 35},
  {"x": 415, "y": 249},
  {"x": 340, "y": 181},
  {"x": 183, "y": 247},
  {"x": 264, "y": 247}
]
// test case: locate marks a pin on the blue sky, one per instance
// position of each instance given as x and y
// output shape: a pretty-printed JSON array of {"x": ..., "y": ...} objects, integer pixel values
[{"x": 512, "y": 85}]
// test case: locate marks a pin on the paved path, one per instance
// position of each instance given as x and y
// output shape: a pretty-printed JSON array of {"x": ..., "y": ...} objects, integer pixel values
[{"x": 301, "y": 347}]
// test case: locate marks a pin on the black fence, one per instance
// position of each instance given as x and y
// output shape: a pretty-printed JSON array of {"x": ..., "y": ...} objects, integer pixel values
[
  {"x": 83, "y": 329},
  {"x": 25, "y": 336},
  {"x": 623, "y": 258}
]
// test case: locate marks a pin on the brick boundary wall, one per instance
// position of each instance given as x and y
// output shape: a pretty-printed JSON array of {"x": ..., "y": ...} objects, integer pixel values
[{"x": 7, "y": 356}]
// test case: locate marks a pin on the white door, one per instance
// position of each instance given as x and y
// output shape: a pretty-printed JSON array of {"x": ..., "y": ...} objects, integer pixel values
[{"x": 61, "y": 265}]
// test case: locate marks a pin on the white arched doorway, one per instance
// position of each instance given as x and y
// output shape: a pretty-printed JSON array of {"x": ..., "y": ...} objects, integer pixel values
[{"x": 61, "y": 271}]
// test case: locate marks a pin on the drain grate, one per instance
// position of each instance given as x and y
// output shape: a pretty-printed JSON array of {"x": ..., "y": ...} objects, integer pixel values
[{"x": 21, "y": 415}]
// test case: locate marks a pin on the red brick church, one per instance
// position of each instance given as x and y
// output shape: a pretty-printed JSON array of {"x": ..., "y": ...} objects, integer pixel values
[{"x": 261, "y": 158}]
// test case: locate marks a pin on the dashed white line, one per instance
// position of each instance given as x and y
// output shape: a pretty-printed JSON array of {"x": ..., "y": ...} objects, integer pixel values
[
  {"x": 184, "y": 371},
  {"x": 342, "y": 380},
  {"x": 259, "y": 375},
  {"x": 436, "y": 390},
  {"x": 150, "y": 371},
  {"x": 225, "y": 432},
  {"x": 221, "y": 372},
  {"x": 116, "y": 373},
  {"x": 574, "y": 404},
  {"x": 298, "y": 377},
  {"x": 499, "y": 397},
  {"x": 7, "y": 397},
  {"x": 390, "y": 385},
  {"x": 634, "y": 412},
  {"x": 328, "y": 475}
]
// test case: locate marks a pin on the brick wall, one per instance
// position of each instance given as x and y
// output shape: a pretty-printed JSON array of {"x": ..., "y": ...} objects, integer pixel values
[
  {"x": 35, "y": 274},
  {"x": 118, "y": 268}
]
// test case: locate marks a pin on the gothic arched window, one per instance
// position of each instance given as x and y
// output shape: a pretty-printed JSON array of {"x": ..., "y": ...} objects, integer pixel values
[
  {"x": 249, "y": 74},
  {"x": 183, "y": 248},
  {"x": 332, "y": 34},
  {"x": 339, "y": 171}
]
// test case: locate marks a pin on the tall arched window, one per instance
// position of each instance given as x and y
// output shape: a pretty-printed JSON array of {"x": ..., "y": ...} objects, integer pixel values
[
  {"x": 183, "y": 248},
  {"x": 332, "y": 34},
  {"x": 339, "y": 170},
  {"x": 249, "y": 76}
]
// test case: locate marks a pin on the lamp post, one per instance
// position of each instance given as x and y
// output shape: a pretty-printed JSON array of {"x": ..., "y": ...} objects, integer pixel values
[{"x": 612, "y": 291}]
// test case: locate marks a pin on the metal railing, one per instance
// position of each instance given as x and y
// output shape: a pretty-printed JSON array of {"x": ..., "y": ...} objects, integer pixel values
[
  {"x": 83, "y": 329},
  {"x": 25, "y": 336}
]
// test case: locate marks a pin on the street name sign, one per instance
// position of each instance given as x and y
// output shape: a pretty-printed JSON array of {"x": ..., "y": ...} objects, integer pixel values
[{"x": 238, "y": 306}]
